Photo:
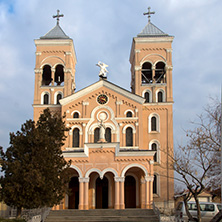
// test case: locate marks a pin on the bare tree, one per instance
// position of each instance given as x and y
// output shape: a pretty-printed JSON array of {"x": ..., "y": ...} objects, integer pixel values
[{"x": 198, "y": 162}]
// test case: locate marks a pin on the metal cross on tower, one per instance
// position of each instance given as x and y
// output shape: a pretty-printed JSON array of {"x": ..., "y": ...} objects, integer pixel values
[
  {"x": 148, "y": 13},
  {"x": 57, "y": 16}
]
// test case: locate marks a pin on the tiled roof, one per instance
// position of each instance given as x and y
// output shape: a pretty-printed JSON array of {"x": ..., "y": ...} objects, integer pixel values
[
  {"x": 55, "y": 33},
  {"x": 151, "y": 30}
]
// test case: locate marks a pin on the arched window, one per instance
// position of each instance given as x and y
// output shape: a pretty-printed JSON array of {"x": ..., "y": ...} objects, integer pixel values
[
  {"x": 160, "y": 97},
  {"x": 75, "y": 137},
  {"x": 160, "y": 72},
  {"x": 129, "y": 136},
  {"x": 59, "y": 75},
  {"x": 46, "y": 99},
  {"x": 108, "y": 135},
  {"x": 153, "y": 124},
  {"x": 147, "y": 97},
  {"x": 46, "y": 75},
  {"x": 146, "y": 73},
  {"x": 76, "y": 115},
  {"x": 129, "y": 114},
  {"x": 96, "y": 135},
  {"x": 154, "y": 148},
  {"x": 155, "y": 184},
  {"x": 58, "y": 97}
]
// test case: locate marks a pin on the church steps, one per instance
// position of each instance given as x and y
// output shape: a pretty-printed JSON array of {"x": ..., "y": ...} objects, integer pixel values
[{"x": 128, "y": 215}]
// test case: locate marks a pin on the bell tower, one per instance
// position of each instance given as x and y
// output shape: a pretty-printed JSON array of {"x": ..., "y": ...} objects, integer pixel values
[
  {"x": 151, "y": 64},
  {"x": 151, "y": 78},
  {"x": 54, "y": 69}
]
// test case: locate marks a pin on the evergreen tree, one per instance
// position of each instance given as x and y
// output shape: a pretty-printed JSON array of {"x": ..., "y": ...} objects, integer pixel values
[{"x": 33, "y": 166}]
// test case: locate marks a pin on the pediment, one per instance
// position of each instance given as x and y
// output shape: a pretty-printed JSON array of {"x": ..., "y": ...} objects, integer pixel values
[{"x": 106, "y": 87}]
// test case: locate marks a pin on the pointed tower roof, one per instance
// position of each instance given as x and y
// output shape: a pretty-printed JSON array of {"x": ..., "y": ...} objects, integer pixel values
[
  {"x": 150, "y": 30},
  {"x": 55, "y": 33}
]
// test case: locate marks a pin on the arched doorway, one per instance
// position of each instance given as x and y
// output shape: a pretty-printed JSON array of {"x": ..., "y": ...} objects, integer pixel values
[
  {"x": 102, "y": 193},
  {"x": 74, "y": 193},
  {"x": 130, "y": 192}
]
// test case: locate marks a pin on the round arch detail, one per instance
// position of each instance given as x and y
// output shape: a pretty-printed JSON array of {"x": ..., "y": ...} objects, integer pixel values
[{"x": 134, "y": 165}]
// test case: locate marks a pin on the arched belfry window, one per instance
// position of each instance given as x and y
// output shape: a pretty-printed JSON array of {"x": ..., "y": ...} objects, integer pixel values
[
  {"x": 129, "y": 114},
  {"x": 46, "y": 75},
  {"x": 147, "y": 97},
  {"x": 160, "y": 96},
  {"x": 46, "y": 99},
  {"x": 108, "y": 135},
  {"x": 146, "y": 73},
  {"x": 76, "y": 115},
  {"x": 96, "y": 135},
  {"x": 58, "y": 97},
  {"x": 129, "y": 136},
  {"x": 153, "y": 123},
  {"x": 75, "y": 137},
  {"x": 59, "y": 75},
  {"x": 160, "y": 73},
  {"x": 154, "y": 148}
]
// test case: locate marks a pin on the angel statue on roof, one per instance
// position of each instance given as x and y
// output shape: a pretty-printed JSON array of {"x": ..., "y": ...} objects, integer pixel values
[{"x": 103, "y": 70}]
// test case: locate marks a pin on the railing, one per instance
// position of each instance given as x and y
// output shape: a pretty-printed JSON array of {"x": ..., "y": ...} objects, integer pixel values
[{"x": 156, "y": 210}]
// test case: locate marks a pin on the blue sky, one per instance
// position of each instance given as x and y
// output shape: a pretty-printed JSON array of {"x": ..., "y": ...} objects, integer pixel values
[{"x": 103, "y": 31}]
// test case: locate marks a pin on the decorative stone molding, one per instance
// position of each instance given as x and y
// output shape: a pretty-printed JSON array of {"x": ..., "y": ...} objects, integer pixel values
[
  {"x": 37, "y": 70},
  {"x": 151, "y": 162},
  {"x": 149, "y": 178},
  {"x": 38, "y": 53},
  {"x": 84, "y": 180},
  {"x": 85, "y": 103},
  {"x": 119, "y": 102},
  {"x": 137, "y": 50},
  {"x": 137, "y": 68},
  {"x": 119, "y": 179}
]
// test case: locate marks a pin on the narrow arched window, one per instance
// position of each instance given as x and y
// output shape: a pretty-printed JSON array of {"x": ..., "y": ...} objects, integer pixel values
[
  {"x": 46, "y": 99},
  {"x": 160, "y": 73},
  {"x": 154, "y": 148},
  {"x": 58, "y": 97},
  {"x": 75, "y": 136},
  {"x": 76, "y": 115},
  {"x": 155, "y": 184},
  {"x": 108, "y": 135},
  {"x": 129, "y": 136},
  {"x": 153, "y": 124},
  {"x": 160, "y": 96},
  {"x": 146, "y": 73},
  {"x": 46, "y": 75},
  {"x": 147, "y": 97},
  {"x": 129, "y": 114},
  {"x": 59, "y": 75},
  {"x": 96, "y": 135}
]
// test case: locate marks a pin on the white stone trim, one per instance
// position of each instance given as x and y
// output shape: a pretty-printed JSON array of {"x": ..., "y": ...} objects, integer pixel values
[
  {"x": 164, "y": 95},
  {"x": 134, "y": 165},
  {"x": 55, "y": 96},
  {"x": 158, "y": 149},
  {"x": 128, "y": 125},
  {"x": 157, "y": 122},
  {"x": 150, "y": 95},
  {"x": 101, "y": 173},
  {"x": 129, "y": 110},
  {"x": 73, "y": 127},
  {"x": 42, "y": 97},
  {"x": 77, "y": 169},
  {"x": 75, "y": 111}
]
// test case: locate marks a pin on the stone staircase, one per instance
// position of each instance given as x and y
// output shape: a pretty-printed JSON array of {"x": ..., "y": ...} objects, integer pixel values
[{"x": 100, "y": 215}]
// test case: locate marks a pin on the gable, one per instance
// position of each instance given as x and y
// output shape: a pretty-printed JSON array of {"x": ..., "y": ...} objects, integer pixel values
[{"x": 90, "y": 91}]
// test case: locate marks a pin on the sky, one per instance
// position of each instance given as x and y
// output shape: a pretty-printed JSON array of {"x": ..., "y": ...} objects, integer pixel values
[{"x": 103, "y": 30}]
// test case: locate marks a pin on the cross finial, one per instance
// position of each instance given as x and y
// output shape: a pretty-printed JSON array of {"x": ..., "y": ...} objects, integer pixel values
[
  {"x": 57, "y": 16},
  {"x": 149, "y": 13}
]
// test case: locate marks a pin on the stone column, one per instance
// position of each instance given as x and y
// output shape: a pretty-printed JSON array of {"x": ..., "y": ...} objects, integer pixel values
[
  {"x": 122, "y": 197},
  {"x": 86, "y": 193},
  {"x": 148, "y": 192},
  {"x": 81, "y": 193},
  {"x": 117, "y": 193},
  {"x": 142, "y": 193}
]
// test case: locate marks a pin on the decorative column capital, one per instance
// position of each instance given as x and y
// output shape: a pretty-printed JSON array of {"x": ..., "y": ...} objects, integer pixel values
[
  {"x": 119, "y": 179},
  {"x": 149, "y": 178},
  {"x": 84, "y": 180}
]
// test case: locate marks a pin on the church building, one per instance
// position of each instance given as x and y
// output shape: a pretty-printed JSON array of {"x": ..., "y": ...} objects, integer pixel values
[{"x": 119, "y": 140}]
